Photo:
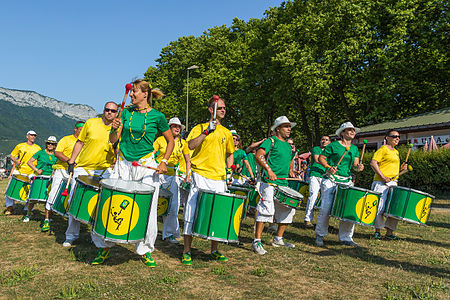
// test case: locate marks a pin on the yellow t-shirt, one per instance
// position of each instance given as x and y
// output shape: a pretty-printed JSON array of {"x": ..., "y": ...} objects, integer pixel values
[
  {"x": 388, "y": 162},
  {"x": 65, "y": 145},
  {"x": 160, "y": 144},
  {"x": 97, "y": 152},
  {"x": 182, "y": 167},
  {"x": 23, "y": 152},
  {"x": 208, "y": 159}
]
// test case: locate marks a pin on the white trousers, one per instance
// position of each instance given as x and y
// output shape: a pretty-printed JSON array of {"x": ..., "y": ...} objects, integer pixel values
[
  {"x": 10, "y": 202},
  {"x": 171, "y": 226},
  {"x": 126, "y": 171},
  {"x": 198, "y": 182},
  {"x": 73, "y": 227},
  {"x": 269, "y": 210},
  {"x": 314, "y": 190},
  {"x": 327, "y": 190},
  {"x": 58, "y": 176},
  {"x": 383, "y": 188}
]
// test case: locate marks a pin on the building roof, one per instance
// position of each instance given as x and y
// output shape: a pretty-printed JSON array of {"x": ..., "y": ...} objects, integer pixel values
[{"x": 427, "y": 120}]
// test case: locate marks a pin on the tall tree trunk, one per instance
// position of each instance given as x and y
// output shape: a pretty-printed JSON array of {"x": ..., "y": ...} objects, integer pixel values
[
  {"x": 340, "y": 91},
  {"x": 305, "y": 126},
  {"x": 317, "y": 134}
]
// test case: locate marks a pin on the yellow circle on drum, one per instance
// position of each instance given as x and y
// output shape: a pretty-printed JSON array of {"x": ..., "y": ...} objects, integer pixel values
[
  {"x": 163, "y": 205},
  {"x": 66, "y": 202},
  {"x": 367, "y": 213},
  {"x": 304, "y": 190},
  {"x": 423, "y": 209},
  {"x": 117, "y": 221},
  {"x": 23, "y": 194},
  {"x": 92, "y": 205},
  {"x": 237, "y": 219}
]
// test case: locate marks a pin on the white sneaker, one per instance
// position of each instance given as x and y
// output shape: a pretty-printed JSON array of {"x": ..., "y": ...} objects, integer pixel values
[
  {"x": 278, "y": 243},
  {"x": 319, "y": 241},
  {"x": 67, "y": 243},
  {"x": 171, "y": 240},
  {"x": 273, "y": 228},
  {"x": 258, "y": 248},
  {"x": 26, "y": 219}
]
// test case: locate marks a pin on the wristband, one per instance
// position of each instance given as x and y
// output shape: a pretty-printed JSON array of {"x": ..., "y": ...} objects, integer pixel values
[
  {"x": 228, "y": 170},
  {"x": 164, "y": 161},
  {"x": 205, "y": 132}
]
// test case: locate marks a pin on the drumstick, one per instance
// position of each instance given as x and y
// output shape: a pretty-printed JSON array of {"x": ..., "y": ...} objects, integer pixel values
[
  {"x": 14, "y": 166},
  {"x": 410, "y": 168},
  {"x": 290, "y": 179},
  {"x": 64, "y": 193},
  {"x": 136, "y": 164},
  {"x": 339, "y": 162},
  {"x": 407, "y": 154},
  {"x": 363, "y": 149},
  {"x": 128, "y": 87},
  {"x": 216, "y": 99}
]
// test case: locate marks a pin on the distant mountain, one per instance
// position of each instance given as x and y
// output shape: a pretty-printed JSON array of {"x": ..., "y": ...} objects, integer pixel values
[{"x": 26, "y": 110}]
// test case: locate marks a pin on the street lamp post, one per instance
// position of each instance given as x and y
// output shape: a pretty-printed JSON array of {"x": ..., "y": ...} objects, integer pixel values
[{"x": 193, "y": 67}]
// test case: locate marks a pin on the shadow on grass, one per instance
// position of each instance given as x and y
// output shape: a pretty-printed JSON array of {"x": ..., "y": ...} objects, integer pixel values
[{"x": 439, "y": 224}]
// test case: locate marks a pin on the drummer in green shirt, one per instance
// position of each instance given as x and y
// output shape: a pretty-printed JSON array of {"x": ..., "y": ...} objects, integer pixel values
[
  {"x": 240, "y": 161},
  {"x": 337, "y": 174},
  {"x": 45, "y": 159},
  {"x": 277, "y": 165}
]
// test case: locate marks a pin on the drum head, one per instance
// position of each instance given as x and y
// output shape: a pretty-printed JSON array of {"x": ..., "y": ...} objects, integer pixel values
[
  {"x": 239, "y": 188},
  {"x": 287, "y": 190},
  {"x": 223, "y": 194},
  {"x": 22, "y": 178},
  {"x": 89, "y": 181},
  {"x": 412, "y": 190},
  {"x": 127, "y": 186},
  {"x": 344, "y": 186}
]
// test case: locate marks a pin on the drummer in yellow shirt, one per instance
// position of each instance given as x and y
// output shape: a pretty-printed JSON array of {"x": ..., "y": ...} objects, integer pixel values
[
  {"x": 63, "y": 152},
  {"x": 93, "y": 154},
  {"x": 211, "y": 143},
  {"x": 170, "y": 180},
  {"x": 386, "y": 165},
  {"x": 20, "y": 155}
]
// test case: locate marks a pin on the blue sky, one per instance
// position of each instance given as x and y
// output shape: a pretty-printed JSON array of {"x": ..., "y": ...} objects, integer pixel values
[{"x": 85, "y": 51}]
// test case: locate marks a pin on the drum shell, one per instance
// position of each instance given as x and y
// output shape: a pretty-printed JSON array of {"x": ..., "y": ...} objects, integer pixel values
[
  {"x": 18, "y": 188},
  {"x": 299, "y": 186},
  {"x": 84, "y": 200},
  {"x": 253, "y": 198},
  {"x": 409, "y": 205},
  {"x": 61, "y": 203},
  {"x": 39, "y": 189},
  {"x": 243, "y": 191},
  {"x": 164, "y": 198},
  {"x": 135, "y": 215},
  {"x": 355, "y": 205},
  {"x": 286, "y": 199},
  {"x": 218, "y": 216}
]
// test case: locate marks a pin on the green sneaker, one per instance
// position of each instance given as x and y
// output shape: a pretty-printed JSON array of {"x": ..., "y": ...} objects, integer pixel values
[
  {"x": 26, "y": 218},
  {"x": 218, "y": 256},
  {"x": 46, "y": 226},
  {"x": 377, "y": 236},
  {"x": 102, "y": 255},
  {"x": 391, "y": 237},
  {"x": 187, "y": 260},
  {"x": 148, "y": 260}
]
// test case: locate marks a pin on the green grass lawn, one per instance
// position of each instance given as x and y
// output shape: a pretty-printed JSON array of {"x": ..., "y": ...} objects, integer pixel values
[{"x": 35, "y": 265}]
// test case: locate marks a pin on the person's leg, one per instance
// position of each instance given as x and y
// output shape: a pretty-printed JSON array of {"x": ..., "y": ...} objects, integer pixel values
[
  {"x": 171, "y": 227},
  {"x": 265, "y": 211},
  {"x": 327, "y": 191},
  {"x": 283, "y": 216},
  {"x": 314, "y": 189},
  {"x": 380, "y": 187}
]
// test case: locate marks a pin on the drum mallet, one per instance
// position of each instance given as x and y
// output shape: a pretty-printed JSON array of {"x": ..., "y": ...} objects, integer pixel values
[
  {"x": 289, "y": 179},
  {"x": 407, "y": 154},
  {"x": 345, "y": 152},
  {"x": 363, "y": 149},
  {"x": 410, "y": 168},
  {"x": 128, "y": 87},
  {"x": 136, "y": 164},
  {"x": 216, "y": 99},
  {"x": 65, "y": 193},
  {"x": 14, "y": 166}
]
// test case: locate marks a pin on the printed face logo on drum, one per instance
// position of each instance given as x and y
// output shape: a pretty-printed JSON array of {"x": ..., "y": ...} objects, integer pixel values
[{"x": 115, "y": 214}]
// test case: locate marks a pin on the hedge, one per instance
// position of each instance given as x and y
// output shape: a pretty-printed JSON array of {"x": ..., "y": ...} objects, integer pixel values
[{"x": 430, "y": 172}]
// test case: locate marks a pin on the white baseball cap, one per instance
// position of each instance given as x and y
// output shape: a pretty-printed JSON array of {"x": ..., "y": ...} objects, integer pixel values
[
  {"x": 52, "y": 139},
  {"x": 345, "y": 126},
  {"x": 282, "y": 120},
  {"x": 31, "y": 132},
  {"x": 176, "y": 121},
  {"x": 234, "y": 132}
]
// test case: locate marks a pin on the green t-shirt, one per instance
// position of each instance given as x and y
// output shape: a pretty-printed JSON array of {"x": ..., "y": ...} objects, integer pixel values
[
  {"x": 45, "y": 162},
  {"x": 239, "y": 157},
  {"x": 252, "y": 162},
  {"x": 133, "y": 143},
  {"x": 279, "y": 159},
  {"x": 316, "y": 169},
  {"x": 333, "y": 153}
]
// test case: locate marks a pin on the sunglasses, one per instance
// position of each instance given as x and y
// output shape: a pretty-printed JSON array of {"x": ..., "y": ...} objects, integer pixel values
[
  {"x": 110, "y": 110},
  {"x": 394, "y": 136},
  {"x": 54, "y": 144},
  {"x": 221, "y": 107}
]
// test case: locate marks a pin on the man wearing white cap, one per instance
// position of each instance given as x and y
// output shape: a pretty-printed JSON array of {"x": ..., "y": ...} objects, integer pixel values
[
  {"x": 276, "y": 159},
  {"x": 44, "y": 160},
  {"x": 240, "y": 160},
  {"x": 20, "y": 156},
  {"x": 331, "y": 155},
  {"x": 170, "y": 180}
]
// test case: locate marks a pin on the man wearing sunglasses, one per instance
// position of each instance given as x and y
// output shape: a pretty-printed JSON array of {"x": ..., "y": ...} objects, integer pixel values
[
  {"x": 20, "y": 156},
  {"x": 93, "y": 154}
]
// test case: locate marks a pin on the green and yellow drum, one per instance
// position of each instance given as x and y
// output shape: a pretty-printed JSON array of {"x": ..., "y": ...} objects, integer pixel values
[
  {"x": 218, "y": 216},
  {"x": 287, "y": 196},
  {"x": 61, "y": 203},
  {"x": 408, "y": 205},
  {"x": 123, "y": 210},
  {"x": 18, "y": 188},
  {"x": 355, "y": 205},
  {"x": 253, "y": 198},
  {"x": 84, "y": 199},
  {"x": 300, "y": 186},
  {"x": 244, "y": 191},
  {"x": 164, "y": 202},
  {"x": 39, "y": 189}
]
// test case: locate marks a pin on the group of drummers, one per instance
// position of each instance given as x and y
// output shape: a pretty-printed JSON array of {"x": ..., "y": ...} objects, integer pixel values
[{"x": 114, "y": 174}]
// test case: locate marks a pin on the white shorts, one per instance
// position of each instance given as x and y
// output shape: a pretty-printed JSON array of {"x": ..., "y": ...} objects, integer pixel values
[{"x": 269, "y": 210}]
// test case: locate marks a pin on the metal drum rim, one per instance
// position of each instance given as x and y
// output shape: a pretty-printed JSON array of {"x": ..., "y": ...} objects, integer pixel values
[
  {"x": 104, "y": 184},
  {"x": 222, "y": 194},
  {"x": 412, "y": 190},
  {"x": 215, "y": 239},
  {"x": 78, "y": 179},
  {"x": 18, "y": 179},
  {"x": 344, "y": 186}
]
